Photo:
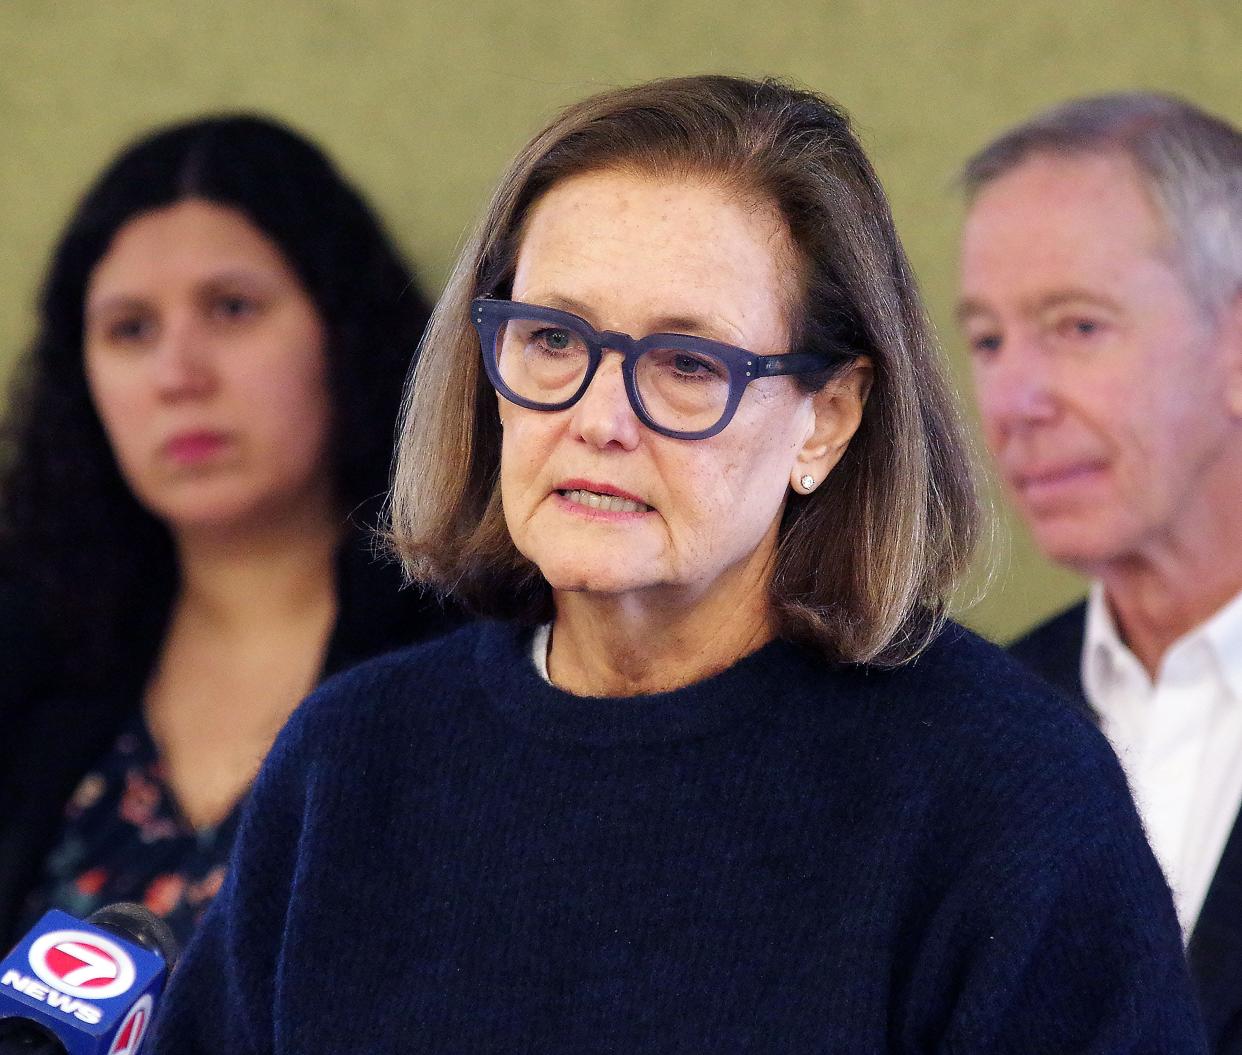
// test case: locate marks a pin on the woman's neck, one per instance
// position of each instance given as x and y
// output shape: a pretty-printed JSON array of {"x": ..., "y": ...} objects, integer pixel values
[
  {"x": 264, "y": 574},
  {"x": 245, "y": 642},
  {"x": 605, "y": 645}
]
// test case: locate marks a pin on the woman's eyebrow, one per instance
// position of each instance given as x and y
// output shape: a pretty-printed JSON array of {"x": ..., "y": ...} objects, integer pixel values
[
  {"x": 238, "y": 274},
  {"x": 690, "y": 324},
  {"x": 250, "y": 277},
  {"x": 111, "y": 303},
  {"x": 561, "y": 303}
]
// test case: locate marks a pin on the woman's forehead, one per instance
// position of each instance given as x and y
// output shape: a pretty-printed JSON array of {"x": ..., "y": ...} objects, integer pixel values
[
  {"x": 639, "y": 251},
  {"x": 188, "y": 241}
]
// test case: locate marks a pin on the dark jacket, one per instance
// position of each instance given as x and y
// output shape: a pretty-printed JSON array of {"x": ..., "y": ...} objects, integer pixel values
[
  {"x": 444, "y": 853},
  {"x": 1054, "y": 649},
  {"x": 49, "y": 738}
]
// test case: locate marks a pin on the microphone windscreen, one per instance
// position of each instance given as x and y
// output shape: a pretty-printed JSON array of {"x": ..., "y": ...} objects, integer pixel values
[{"x": 135, "y": 923}]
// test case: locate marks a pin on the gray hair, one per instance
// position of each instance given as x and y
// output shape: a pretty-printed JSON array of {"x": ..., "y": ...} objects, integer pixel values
[{"x": 1189, "y": 161}]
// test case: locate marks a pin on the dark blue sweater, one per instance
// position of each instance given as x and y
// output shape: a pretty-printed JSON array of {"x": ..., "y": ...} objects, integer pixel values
[{"x": 446, "y": 854}]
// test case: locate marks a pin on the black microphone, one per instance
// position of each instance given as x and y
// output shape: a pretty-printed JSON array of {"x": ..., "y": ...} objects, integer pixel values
[{"x": 84, "y": 988}]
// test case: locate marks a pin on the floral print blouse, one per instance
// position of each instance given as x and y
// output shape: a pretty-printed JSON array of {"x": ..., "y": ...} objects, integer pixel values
[{"x": 125, "y": 839}]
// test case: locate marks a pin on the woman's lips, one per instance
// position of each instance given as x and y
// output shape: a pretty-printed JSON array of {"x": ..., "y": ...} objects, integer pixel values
[
  {"x": 194, "y": 448},
  {"x": 599, "y": 500}
]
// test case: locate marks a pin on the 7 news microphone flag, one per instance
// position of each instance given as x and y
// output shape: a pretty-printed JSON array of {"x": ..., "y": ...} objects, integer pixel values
[{"x": 84, "y": 988}]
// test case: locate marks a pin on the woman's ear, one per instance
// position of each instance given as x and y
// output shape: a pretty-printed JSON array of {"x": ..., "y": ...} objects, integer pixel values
[{"x": 838, "y": 410}]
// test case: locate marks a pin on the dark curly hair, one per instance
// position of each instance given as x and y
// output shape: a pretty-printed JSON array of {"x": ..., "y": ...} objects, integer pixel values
[{"x": 101, "y": 567}]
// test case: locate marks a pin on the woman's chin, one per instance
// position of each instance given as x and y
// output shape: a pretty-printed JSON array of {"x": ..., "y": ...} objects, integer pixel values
[
  {"x": 596, "y": 580},
  {"x": 218, "y": 515}
]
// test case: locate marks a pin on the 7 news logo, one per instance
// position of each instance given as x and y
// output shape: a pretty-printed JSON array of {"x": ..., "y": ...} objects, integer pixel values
[
  {"x": 134, "y": 1028},
  {"x": 72, "y": 967},
  {"x": 94, "y": 991}
]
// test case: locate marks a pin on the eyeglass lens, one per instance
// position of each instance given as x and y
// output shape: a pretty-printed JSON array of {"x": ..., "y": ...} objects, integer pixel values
[{"x": 681, "y": 390}]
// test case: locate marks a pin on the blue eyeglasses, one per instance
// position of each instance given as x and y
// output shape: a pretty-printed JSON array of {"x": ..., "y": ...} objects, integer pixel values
[{"x": 680, "y": 386}]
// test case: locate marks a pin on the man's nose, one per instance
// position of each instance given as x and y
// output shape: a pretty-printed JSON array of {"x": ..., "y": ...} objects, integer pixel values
[{"x": 1016, "y": 387}]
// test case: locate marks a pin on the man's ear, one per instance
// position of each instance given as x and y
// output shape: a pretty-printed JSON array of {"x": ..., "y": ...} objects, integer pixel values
[
  {"x": 1230, "y": 335},
  {"x": 838, "y": 410}
]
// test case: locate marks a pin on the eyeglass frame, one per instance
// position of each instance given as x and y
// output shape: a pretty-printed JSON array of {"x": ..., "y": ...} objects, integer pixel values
[{"x": 490, "y": 313}]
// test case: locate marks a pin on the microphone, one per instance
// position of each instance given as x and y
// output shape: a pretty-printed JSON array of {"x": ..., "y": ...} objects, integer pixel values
[{"x": 84, "y": 988}]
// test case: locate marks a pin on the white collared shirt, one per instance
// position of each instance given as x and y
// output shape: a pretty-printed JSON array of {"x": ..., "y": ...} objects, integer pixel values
[
  {"x": 1179, "y": 740},
  {"x": 540, "y": 645}
]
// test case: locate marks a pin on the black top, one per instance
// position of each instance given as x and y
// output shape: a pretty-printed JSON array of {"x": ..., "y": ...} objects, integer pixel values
[
  {"x": 444, "y": 853},
  {"x": 125, "y": 838},
  {"x": 52, "y": 739},
  {"x": 1054, "y": 650}
]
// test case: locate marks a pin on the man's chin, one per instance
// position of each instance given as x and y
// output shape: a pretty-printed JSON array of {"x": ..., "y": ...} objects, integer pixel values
[{"x": 1076, "y": 547}]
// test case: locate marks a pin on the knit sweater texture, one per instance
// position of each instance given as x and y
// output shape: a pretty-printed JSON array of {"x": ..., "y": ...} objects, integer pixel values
[{"x": 446, "y": 854}]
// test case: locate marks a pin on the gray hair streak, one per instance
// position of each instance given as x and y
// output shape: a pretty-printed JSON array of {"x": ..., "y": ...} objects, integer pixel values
[{"x": 1189, "y": 161}]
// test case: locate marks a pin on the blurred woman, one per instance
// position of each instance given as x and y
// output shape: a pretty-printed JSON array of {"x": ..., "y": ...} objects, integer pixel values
[
  {"x": 721, "y": 778},
  {"x": 197, "y": 445}
]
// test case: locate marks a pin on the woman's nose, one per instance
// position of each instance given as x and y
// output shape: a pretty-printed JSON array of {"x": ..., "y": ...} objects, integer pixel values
[
  {"x": 183, "y": 361},
  {"x": 603, "y": 417}
]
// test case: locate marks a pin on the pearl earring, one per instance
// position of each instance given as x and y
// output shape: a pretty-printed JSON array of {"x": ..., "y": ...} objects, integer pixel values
[{"x": 807, "y": 481}]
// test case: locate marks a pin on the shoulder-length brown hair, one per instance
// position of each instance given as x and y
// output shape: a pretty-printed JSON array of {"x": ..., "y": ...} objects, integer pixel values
[{"x": 866, "y": 562}]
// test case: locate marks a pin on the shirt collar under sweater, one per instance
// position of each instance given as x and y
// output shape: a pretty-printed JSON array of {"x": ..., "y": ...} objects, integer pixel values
[
  {"x": 1179, "y": 739},
  {"x": 519, "y": 694},
  {"x": 1110, "y": 669}
]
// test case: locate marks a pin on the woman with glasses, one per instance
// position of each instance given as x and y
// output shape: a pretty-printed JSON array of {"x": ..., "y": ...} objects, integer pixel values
[
  {"x": 198, "y": 443},
  {"x": 718, "y": 776}
]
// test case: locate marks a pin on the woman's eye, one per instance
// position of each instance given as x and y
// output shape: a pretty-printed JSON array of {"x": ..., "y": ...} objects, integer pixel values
[
  {"x": 553, "y": 340},
  {"x": 129, "y": 330},
  {"x": 693, "y": 366},
  {"x": 688, "y": 364},
  {"x": 233, "y": 307}
]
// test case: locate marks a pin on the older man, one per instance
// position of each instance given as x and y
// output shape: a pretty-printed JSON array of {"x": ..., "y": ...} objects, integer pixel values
[{"x": 1101, "y": 298}]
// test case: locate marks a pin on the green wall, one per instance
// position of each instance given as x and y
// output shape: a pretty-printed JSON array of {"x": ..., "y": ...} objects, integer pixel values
[{"x": 422, "y": 101}]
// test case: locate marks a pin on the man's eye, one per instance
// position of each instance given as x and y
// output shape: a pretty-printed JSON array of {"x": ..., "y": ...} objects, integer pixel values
[
  {"x": 984, "y": 345},
  {"x": 1078, "y": 328}
]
